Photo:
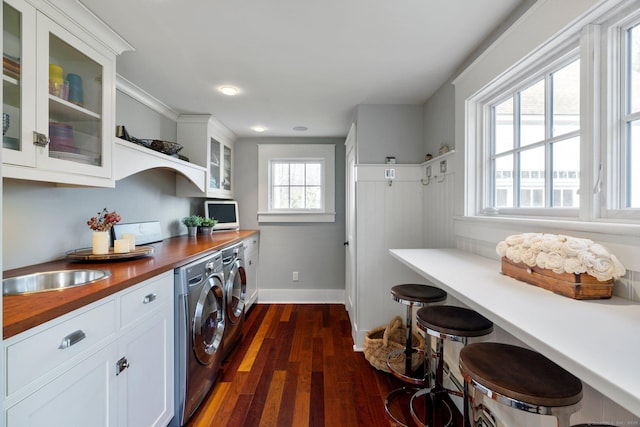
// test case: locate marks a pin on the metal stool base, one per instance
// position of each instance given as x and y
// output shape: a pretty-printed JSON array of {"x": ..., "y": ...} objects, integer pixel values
[
  {"x": 433, "y": 395},
  {"x": 396, "y": 394}
]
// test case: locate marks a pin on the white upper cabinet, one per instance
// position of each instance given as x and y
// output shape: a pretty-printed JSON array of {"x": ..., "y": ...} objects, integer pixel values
[
  {"x": 207, "y": 143},
  {"x": 58, "y": 87}
]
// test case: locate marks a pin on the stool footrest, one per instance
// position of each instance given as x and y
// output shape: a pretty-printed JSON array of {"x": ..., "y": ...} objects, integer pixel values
[
  {"x": 404, "y": 376},
  {"x": 441, "y": 413}
]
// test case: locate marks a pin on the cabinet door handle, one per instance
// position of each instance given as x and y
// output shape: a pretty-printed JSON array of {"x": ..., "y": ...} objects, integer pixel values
[
  {"x": 40, "y": 139},
  {"x": 121, "y": 365},
  {"x": 72, "y": 338},
  {"x": 149, "y": 298}
]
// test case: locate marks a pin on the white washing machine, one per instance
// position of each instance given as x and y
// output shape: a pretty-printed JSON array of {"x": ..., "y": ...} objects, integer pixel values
[
  {"x": 235, "y": 291},
  {"x": 199, "y": 332}
]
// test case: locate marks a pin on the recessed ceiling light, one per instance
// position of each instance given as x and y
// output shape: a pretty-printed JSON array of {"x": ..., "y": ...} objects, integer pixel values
[
  {"x": 300, "y": 128},
  {"x": 229, "y": 90},
  {"x": 259, "y": 128}
]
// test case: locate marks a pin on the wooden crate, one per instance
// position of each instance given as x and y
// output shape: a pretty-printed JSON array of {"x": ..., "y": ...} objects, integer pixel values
[{"x": 577, "y": 286}]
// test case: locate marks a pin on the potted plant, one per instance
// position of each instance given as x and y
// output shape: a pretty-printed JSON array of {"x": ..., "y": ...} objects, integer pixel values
[
  {"x": 192, "y": 222},
  {"x": 206, "y": 225}
]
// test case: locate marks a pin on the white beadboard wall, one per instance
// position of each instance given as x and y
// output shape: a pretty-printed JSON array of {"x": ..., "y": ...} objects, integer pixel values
[
  {"x": 388, "y": 216},
  {"x": 438, "y": 202}
]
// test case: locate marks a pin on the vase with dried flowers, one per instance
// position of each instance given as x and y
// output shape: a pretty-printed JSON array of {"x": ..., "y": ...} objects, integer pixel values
[{"x": 101, "y": 226}]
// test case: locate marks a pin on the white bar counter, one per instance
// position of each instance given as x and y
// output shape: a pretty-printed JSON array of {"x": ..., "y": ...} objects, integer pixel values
[{"x": 596, "y": 340}]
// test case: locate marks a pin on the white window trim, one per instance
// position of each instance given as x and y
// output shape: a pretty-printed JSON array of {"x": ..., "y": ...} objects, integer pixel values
[
  {"x": 478, "y": 120},
  {"x": 269, "y": 152},
  {"x": 600, "y": 161},
  {"x": 614, "y": 165}
]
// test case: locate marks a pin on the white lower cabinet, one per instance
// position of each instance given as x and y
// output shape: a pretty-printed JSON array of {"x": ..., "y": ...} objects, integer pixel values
[
  {"x": 107, "y": 364},
  {"x": 147, "y": 383},
  {"x": 83, "y": 396},
  {"x": 251, "y": 259}
]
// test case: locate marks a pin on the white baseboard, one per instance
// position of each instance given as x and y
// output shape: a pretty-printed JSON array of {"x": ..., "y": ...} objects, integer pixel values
[{"x": 300, "y": 296}]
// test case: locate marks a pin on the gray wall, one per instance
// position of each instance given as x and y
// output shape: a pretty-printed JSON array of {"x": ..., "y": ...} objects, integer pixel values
[
  {"x": 439, "y": 119},
  {"x": 315, "y": 250},
  {"x": 390, "y": 130},
  {"x": 40, "y": 222},
  {"x": 141, "y": 121}
]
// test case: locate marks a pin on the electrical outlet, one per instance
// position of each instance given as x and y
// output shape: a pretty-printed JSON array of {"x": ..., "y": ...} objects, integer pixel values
[
  {"x": 295, "y": 276},
  {"x": 443, "y": 166},
  {"x": 390, "y": 174}
]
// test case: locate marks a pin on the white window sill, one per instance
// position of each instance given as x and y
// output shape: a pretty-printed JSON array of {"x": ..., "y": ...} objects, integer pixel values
[
  {"x": 265, "y": 217},
  {"x": 610, "y": 227}
]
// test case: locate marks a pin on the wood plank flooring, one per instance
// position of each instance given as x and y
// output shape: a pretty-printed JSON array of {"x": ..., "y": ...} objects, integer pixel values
[{"x": 296, "y": 367}]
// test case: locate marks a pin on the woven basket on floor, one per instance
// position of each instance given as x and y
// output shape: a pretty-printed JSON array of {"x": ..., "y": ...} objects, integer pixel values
[{"x": 381, "y": 341}]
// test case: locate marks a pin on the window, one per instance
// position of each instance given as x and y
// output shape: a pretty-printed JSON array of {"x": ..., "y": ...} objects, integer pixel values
[
  {"x": 535, "y": 140},
  {"x": 296, "y": 185},
  {"x": 297, "y": 182},
  {"x": 631, "y": 116},
  {"x": 558, "y": 134}
]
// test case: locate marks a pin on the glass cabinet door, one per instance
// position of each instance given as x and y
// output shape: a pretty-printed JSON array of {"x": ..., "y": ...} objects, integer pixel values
[
  {"x": 72, "y": 108},
  {"x": 214, "y": 164},
  {"x": 226, "y": 179},
  {"x": 18, "y": 83}
]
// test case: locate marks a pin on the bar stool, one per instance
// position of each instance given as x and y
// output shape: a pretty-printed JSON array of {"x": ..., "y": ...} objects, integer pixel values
[
  {"x": 452, "y": 323},
  {"x": 410, "y": 295},
  {"x": 522, "y": 379}
]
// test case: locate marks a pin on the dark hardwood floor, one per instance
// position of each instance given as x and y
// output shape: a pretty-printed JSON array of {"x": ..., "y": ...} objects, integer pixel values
[{"x": 296, "y": 367}]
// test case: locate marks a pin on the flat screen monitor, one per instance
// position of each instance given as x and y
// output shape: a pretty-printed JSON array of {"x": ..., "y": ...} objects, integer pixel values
[{"x": 225, "y": 212}]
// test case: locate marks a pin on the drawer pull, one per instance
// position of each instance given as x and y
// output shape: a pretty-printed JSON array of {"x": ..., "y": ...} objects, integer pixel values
[
  {"x": 72, "y": 338},
  {"x": 149, "y": 298}
]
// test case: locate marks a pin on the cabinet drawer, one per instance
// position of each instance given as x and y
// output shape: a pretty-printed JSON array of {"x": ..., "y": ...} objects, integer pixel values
[
  {"x": 41, "y": 352},
  {"x": 146, "y": 298}
]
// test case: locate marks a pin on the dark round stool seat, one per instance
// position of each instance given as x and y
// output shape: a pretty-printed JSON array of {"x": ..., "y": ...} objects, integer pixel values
[
  {"x": 520, "y": 374},
  {"x": 416, "y": 294},
  {"x": 456, "y": 321}
]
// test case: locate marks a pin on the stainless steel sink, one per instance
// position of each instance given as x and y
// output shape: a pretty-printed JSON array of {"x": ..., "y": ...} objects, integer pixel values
[{"x": 51, "y": 280}]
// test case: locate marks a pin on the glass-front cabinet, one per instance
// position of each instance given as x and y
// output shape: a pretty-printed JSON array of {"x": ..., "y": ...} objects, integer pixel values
[
  {"x": 207, "y": 143},
  {"x": 58, "y": 97}
]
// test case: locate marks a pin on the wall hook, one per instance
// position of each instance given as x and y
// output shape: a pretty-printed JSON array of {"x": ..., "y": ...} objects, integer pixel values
[{"x": 427, "y": 179}]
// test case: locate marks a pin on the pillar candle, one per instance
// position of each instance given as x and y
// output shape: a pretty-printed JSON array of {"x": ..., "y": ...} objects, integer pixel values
[
  {"x": 100, "y": 242},
  {"x": 131, "y": 238},
  {"x": 121, "y": 246}
]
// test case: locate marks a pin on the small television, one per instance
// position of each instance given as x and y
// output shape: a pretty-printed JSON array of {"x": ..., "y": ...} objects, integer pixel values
[{"x": 225, "y": 212}]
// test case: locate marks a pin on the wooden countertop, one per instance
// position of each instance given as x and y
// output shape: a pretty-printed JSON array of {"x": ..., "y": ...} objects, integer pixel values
[
  {"x": 22, "y": 312},
  {"x": 596, "y": 340}
]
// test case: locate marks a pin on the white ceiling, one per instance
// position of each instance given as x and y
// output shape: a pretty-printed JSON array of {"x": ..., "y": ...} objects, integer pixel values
[{"x": 296, "y": 62}]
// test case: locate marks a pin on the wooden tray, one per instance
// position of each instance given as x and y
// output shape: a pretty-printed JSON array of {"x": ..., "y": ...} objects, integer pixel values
[
  {"x": 86, "y": 254},
  {"x": 576, "y": 286}
]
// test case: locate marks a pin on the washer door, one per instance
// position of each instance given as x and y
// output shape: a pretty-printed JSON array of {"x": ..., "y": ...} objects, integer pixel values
[
  {"x": 208, "y": 322},
  {"x": 236, "y": 291}
]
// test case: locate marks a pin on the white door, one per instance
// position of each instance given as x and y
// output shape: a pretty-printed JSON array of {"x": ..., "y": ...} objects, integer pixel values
[{"x": 350, "y": 229}]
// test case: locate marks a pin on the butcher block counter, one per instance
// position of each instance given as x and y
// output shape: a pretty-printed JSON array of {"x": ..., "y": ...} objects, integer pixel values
[
  {"x": 22, "y": 312},
  {"x": 596, "y": 340}
]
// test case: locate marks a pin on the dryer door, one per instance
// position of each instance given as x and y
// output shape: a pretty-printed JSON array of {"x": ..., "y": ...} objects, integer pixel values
[
  {"x": 236, "y": 291},
  {"x": 208, "y": 322}
]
